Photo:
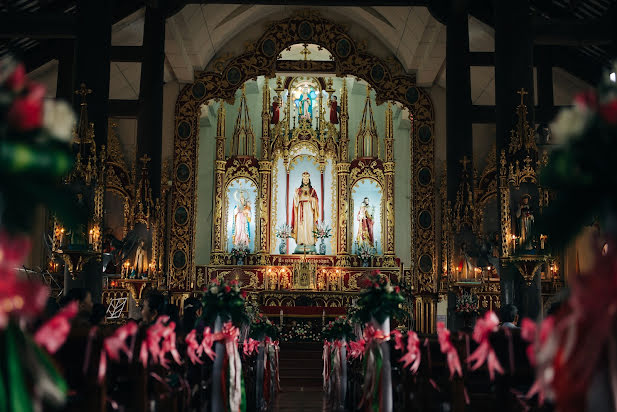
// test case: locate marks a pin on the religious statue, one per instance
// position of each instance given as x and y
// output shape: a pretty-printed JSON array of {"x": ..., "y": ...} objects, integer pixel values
[
  {"x": 240, "y": 232},
  {"x": 365, "y": 224},
  {"x": 304, "y": 103},
  {"x": 305, "y": 215},
  {"x": 525, "y": 220},
  {"x": 140, "y": 264},
  {"x": 274, "y": 119},
  {"x": 334, "y": 110},
  {"x": 466, "y": 267}
]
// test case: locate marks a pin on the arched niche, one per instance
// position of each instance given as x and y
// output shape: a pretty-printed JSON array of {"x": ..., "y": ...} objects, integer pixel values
[{"x": 260, "y": 59}]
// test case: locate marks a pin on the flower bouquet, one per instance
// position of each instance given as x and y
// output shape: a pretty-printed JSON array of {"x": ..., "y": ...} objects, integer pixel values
[
  {"x": 323, "y": 232},
  {"x": 467, "y": 303},
  {"x": 239, "y": 255},
  {"x": 365, "y": 253},
  {"x": 261, "y": 327},
  {"x": 339, "y": 329},
  {"x": 283, "y": 232},
  {"x": 225, "y": 300},
  {"x": 379, "y": 300}
]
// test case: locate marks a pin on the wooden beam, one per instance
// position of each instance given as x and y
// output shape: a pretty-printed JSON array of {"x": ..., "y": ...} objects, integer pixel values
[
  {"x": 123, "y": 108},
  {"x": 482, "y": 58},
  {"x": 127, "y": 53},
  {"x": 576, "y": 33},
  {"x": 37, "y": 25}
]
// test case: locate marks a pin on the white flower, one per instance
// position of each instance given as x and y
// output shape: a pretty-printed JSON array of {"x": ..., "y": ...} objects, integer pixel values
[
  {"x": 58, "y": 119},
  {"x": 570, "y": 123},
  {"x": 389, "y": 288},
  {"x": 214, "y": 290}
]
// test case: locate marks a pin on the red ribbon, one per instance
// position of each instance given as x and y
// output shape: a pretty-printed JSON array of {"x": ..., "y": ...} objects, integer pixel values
[
  {"x": 151, "y": 345},
  {"x": 207, "y": 342},
  {"x": 485, "y": 352},
  {"x": 356, "y": 349},
  {"x": 168, "y": 345},
  {"x": 249, "y": 346},
  {"x": 192, "y": 347},
  {"x": 446, "y": 347},
  {"x": 53, "y": 333},
  {"x": 412, "y": 355}
]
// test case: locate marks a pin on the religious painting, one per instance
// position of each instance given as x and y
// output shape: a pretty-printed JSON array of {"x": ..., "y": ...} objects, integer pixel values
[
  {"x": 303, "y": 200},
  {"x": 366, "y": 196},
  {"x": 241, "y": 203}
]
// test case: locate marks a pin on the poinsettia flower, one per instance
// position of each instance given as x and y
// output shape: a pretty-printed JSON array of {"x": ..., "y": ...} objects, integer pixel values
[{"x": 227, "y": 289}]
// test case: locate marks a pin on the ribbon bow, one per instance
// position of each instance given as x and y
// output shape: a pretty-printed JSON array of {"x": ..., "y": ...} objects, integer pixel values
[
  {"x": 114, "y": 345},
  {"x": 207, "y": 342},
  {"x": 412, "y": 355},
  {"x": 250, "y": 346},
  {"x": 485, "y": 352},
  {"x": 374, "y": 335},
  {"x": 193, "y": 348},
  {"x": 445, "y": 344},
  {"x": 229, "y": 335},
  {"x": 168, "y": 345},
  {"x": 356, "y": 349},
  {"x": 53, "y": 333},
  {"x": 150, "y": 345}
]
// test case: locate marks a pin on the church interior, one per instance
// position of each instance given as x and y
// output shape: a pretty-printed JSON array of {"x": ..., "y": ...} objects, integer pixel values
[{"x": 293, "y": 206}]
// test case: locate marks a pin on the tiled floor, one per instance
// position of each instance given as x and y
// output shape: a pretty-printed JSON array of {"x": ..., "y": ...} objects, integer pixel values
[{"x": 301, "y": 399}]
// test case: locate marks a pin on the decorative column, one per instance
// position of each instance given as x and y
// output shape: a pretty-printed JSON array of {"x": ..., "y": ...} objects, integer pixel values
[
  {"x": 342, "y": 174},
  {"x": 265, "y": 177},
  {"x": 219, "y": 177},
  {"x": 389, "y": 189},
  {"x": 265, "y": 122}
]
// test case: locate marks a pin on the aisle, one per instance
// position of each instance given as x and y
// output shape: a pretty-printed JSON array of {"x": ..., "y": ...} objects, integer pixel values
[{"x": 301, "y": 380}]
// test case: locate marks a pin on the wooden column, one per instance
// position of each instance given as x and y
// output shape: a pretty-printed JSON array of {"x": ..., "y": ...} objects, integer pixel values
[
  {"x": 544, "y": 68},
  {"x": 342, "y": 179},
  {"x": 150, "y": 110},
  {"x": 389, "y": 183},
  {"x": 459, "y": 141},
  {"x": 219, "y": 177},
  {"x": 92, "y": 56}
]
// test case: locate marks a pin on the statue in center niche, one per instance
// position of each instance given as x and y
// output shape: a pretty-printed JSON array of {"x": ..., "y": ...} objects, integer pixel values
[
  {"x": 524, "y": 216},
  {"x": 304, "y": 103},
  {"x": 304, "y": 215}
]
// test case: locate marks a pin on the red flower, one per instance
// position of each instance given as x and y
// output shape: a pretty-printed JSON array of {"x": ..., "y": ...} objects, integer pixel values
[
  {"x": 397, "y": 289},
  {"x": 216, "y": 281},
  {"x": 26, "y": 113},
  {"x": 16, "y": 81},
  {"x": 233, "y": 282},
  {"x": 587, "y": 99},
  {"x": 608, "y": 111},
  {"x": 227, "y": 289},
  {"x": 243, "y": 294}
]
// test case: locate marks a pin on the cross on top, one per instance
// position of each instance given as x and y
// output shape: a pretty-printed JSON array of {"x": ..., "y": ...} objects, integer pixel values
[
  {"x": 522, "y": 92},
  {"x": 465, "y": 161},
  {"x": 306, "y": 51},
  {"x": 145, "y": 159},
  {"x": 83, "y": 92}
]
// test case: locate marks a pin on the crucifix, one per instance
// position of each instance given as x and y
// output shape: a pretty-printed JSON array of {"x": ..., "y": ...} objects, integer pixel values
[
  {"x": 145, "y": 159},
  {"x": 465, "y": 161},
  {"x": 522, "y": 92}
]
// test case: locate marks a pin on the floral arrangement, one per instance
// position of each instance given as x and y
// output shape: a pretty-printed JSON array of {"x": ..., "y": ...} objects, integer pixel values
[
  {"x": 582, "y": 165},
  {"x": 379, "y": 300},
  {"x": 239, "y": 253},
  {"x": 261, "y": 327},
  {"x": 322, "y": 231},
  {"x": 35, "y": 155},
  {"x": 283, "y": 232},
  {"x": 300, "y": 331},
  {"x": 467, "y": 303},
  {"x": 340, "y": 328},
  {"x": 365, "y": 252},
  {"x": 225, "y": 300}
]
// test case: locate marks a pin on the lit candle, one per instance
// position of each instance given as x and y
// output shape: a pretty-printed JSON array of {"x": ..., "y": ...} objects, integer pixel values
[{"x": 514, "y": 243}]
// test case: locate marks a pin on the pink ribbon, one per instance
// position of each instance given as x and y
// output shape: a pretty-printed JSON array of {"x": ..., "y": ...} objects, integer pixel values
[
  {"x": 53, "y": 333},
  {"x": 168, "y": 345},
  {"x": 192, "y": 347},
  {"x": 151, "y": 344},
  {"x": 412, "y": 356},
  {"x": 250, "y": 346},
  {"x": 326, "y": 364},
  {"x": 528, "y": 334},
  {"x": 114, "y": 345},
  {"x": 356, "y": 349},
  {"x": 207, "y": 342},
  {"x": 485, "y": 352},
  {"x": 446, "y": 347}
]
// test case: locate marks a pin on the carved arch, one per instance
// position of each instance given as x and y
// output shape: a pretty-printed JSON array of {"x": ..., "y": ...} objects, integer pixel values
[{"x": 260, "y": 59}]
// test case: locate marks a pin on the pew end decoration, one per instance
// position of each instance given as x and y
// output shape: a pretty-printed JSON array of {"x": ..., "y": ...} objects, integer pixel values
[
  {"x": 225, "y": 300},
  {"x": 380, "y": 300},
  {"x": 261, "y": 327},
  {"x": 340, "y": 329}
]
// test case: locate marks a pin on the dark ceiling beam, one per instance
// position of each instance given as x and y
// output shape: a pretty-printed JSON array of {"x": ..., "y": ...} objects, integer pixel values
[
  {"x": 487, "y": 114},
  {"x": 127, "y": 53},
  {"x": 576, "y": 33},
  {"x": 37, "y": 25},
  {"x": 481, "y": 58},
  {"x": 123, "y": 108},
  {"x": 355, "y": 3}
]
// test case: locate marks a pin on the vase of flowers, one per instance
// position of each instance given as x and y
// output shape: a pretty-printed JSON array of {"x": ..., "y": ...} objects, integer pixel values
[
  {"x": 322, "y": 232},
  {"x": 283, "y": 232},
  {"x": 239, "y": 254},
  {"x": 467, "y": 304},
  {"x": 380, "y": 300},
  {"x": 365, "y": 253}
]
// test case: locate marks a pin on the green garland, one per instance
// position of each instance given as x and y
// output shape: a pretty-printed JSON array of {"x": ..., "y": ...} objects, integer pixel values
[
  {"x": 225, "y": 300},
  {"x": 340, "y": 328}
]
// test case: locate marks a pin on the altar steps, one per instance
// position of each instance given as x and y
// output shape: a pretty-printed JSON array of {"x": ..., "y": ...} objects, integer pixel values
[{"x": 301, "y": 365}]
